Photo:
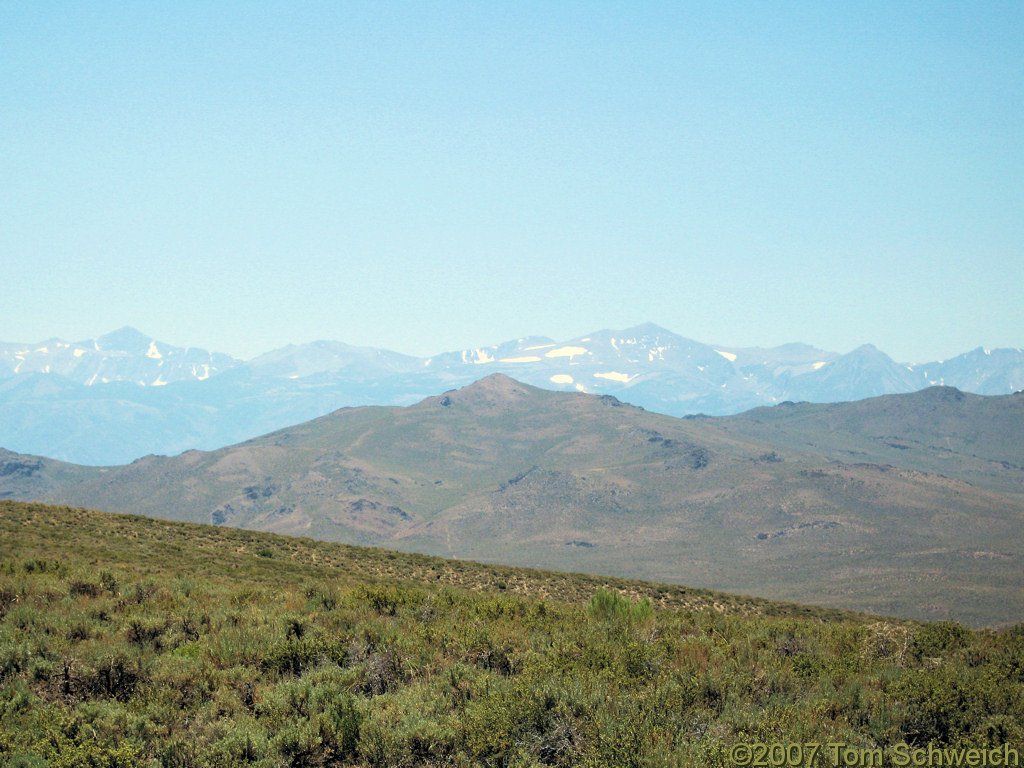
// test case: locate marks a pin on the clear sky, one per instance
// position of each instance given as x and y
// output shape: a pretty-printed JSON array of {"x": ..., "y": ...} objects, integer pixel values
[{"x": 428, "y": 176}]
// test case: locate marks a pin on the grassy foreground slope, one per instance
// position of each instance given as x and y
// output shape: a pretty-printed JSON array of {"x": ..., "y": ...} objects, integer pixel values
[{"x": 127, "y": 641}]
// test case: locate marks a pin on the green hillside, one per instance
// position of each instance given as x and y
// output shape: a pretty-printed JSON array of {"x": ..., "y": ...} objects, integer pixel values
[{"x": 128, "y": 641}]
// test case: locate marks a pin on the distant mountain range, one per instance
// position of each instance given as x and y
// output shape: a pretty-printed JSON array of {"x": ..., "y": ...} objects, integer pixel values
[
  {"x": 908, "y": 504},
  {"x": 125, "y": 395}
]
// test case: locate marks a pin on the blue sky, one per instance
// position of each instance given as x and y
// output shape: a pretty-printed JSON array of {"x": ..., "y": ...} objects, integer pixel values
[{"x": 432, "y": 176}]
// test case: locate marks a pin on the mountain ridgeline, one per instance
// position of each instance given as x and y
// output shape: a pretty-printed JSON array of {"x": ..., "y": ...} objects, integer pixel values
[
  {"x": 909, "y": 505},
  {"x": 125, "y": 395}
]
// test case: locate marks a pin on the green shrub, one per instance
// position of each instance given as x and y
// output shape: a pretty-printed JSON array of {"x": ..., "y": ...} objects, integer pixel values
[
  {"x": 940, "y": 639},
  {"x": 293, "y": 656},
  {"x": 80, "y": 587},
  {"x": 610, "y": 606}
]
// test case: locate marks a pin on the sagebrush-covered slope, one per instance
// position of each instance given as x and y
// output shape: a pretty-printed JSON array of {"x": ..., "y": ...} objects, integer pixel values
[{"x": 127, "y": 641}]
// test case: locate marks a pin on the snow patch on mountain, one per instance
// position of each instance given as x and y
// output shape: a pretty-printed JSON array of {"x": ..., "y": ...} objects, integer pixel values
[
  {"x": 624, "y": 378},
  {"x": 569, "y": 352},
  {"x": 476, "y": 356}
]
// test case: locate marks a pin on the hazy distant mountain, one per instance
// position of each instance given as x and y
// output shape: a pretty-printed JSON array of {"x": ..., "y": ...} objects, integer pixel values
[
  {"x": 864, "y": 372},
  {"x": 910, "y": 504},
  {"x": 331, "y": 357},
  {"x": 986, "y": 371},
  {"x": 144, "y": 396},
  {"x": 125, "y": 355}
]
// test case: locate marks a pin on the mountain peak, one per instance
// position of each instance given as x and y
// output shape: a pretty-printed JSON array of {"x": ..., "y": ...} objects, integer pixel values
[
  {"x": 648, "y": 329},
  {"x": 496, "y": 384},
  {"x": 126, "y": 339},
  {"x": 489, "y": 394},
  {"x": 869, "y": 352},
  {"x": 865, "y": 349},
  {"x": 939, "y": 394}
]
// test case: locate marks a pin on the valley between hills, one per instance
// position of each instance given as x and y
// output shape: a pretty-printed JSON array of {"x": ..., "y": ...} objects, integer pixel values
[{"x": 907, "y": 505}]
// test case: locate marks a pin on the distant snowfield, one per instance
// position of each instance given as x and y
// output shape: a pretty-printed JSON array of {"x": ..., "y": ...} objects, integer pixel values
[
  {"x": 625, "y": 378},
  {"x": 524, "y": 359},
  {"x": 569, "y": 352},
  {"x": 477, "y": 356},
  {"x": 727, "y": 355}
]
